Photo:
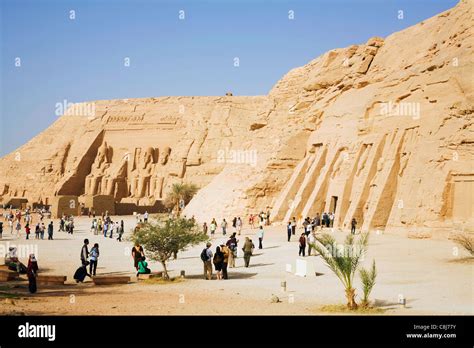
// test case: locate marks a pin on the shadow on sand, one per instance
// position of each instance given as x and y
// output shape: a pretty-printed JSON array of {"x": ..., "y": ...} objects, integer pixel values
[{"x": 231, "y": 274}]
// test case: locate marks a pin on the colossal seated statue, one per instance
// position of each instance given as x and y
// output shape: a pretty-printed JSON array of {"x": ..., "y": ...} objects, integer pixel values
[
  {"x": 160, "y": 173},
  {"x": 140, "y": 176},
  {"x": 93, "y": 184},
  {"x": 116, "y": 184}
]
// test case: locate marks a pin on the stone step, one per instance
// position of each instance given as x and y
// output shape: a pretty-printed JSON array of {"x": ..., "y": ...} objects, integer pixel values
[
  {"x": 110, "y": 280},
  {"x": 150, "y": 275},
  {"x": 48, "y": 279},
  {"x": 8, "y": 275}
]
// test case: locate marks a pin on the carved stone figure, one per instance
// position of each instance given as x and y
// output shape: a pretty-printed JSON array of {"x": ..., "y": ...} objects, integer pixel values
[
  {"x": 93, "y": 184},
  {"x": 140, "y": 176},
  {"x": 160, "y": 173},
  {"x": 115, "y": 184}
]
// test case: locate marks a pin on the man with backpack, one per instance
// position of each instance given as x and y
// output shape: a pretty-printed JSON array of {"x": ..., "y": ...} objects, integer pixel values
[{"x": 206, "y": 257}]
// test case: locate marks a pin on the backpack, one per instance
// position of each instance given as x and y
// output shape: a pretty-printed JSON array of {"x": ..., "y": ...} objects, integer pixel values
[{"x": 204, "y": 255}]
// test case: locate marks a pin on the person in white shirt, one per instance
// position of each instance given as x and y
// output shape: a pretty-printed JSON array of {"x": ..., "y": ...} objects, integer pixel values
[
  {"x": 311, "y": 241},
  {"x": 239, "y": 225},
  {"x": 260, "y": 237}
]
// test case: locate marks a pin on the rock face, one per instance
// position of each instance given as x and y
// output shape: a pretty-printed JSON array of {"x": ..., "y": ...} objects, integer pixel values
[{"x": 382, "y": 132}]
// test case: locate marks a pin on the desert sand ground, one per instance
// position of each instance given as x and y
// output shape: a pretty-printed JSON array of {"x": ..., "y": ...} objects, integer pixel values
[{"x": 427, "y": 272}]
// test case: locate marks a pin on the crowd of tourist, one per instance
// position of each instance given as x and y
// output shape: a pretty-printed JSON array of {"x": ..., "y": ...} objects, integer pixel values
[{"x": 217, "y": 260}]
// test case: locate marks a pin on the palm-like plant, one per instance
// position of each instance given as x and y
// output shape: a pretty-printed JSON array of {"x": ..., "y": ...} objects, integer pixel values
[
  {"x": 180, "y": 191},
  {"x": 465, "y": 240},
  {"x": 343, "y": 260},
  {"x": 368, "y": 281}
]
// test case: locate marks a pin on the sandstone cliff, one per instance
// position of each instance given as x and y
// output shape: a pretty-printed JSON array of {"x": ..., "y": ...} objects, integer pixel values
[{"x": 381, "y": 132}]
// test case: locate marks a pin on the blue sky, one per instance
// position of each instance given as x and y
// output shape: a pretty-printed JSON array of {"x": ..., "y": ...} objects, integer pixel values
[{"x": 83, "y": 58}]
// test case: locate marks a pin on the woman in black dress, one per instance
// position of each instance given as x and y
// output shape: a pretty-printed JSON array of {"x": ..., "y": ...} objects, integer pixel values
[
  {"x": 31, "y": 272},
  {"x": 218, "y": 261},
  {"x": 137, "y": 254}
]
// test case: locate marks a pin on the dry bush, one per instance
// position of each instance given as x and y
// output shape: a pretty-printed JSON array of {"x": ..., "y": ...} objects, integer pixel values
[{"x": 465, "y": 240}]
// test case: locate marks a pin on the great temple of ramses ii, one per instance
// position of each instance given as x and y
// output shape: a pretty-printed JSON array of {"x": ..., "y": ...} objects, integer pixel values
[{"x": 381, "y": 131}]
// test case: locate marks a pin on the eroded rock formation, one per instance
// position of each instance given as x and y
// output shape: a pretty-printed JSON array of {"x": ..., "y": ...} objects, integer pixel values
[{"x": 382, "y": 132}]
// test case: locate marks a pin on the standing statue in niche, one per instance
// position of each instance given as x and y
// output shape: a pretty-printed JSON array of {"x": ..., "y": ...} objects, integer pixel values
[
  {"x": 140, "y": 176},
  {"x": 160, "y": 173},
  {"x": 93, "y": 184}
]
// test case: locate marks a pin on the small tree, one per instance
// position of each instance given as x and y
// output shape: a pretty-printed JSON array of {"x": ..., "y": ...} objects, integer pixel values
[
  {"x": 343, "y": 260},
  {"x": 368, "y": 281},
  {"x": 180, "y": 191},
  {"x": 161, "y": 239}
]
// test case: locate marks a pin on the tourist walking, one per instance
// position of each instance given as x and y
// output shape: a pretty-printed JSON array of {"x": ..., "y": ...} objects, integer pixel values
[
  {"x": 353, "y": 226},
  {"x": 227, "y": 252},
  {"x": 239, "y": 225},
  {"x": 311, "y": 240},
  {"x": 224, "y": 227},
  {"x": 293, "y": 226},
  {"x": 289, "y": 230},
  {"x": 308, "y": 228},
  {"x": 27, "y": 231},
  {"x": 206, "y": 257},
  {"x": 204, "y": 227},
  {"x": 106, "y": 228},
  {"x": 94, "y": 226},
  {"x": 71, "y": 225},
  {"x": 218, "y": 261},
  {"x": 317, "y": 220},
  {"x": 50, "y": 231},
  {"x": 137, "y": 254},
  {"x": 37, "y": 231},
  {"x": 42, "y": 230},
  {"x": 145, "y": 217},
  {"x": 94, "y": 258},
  {"x": 252, "y": 221},
  {"x": 99, "y": 226},
  {"x": 213, "y": 226},
  {"x": 1, "y": 229},
  {"x": 248, "y": 250},
  {"x": 18, "y": 228},
  {"x": 31, "y": 273},
  {"x": 260, "y": 237},
  {"x": 121, "y": 231},
  {"x": 112, "y": 227},
  {"x": 61, "y": 224},
  {"x": 302, "y": 245},
  {"x": 232, "y": 245},
  {"x": 85, "y": 253},
  {"x": 326, "y": 219},
  {"x": 331, "y": 219},
  {"x": 261, "y": 218}
]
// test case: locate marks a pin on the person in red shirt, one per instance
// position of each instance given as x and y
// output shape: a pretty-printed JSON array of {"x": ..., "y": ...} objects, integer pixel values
[
  {"x": 27, "y": 230},
  {"x": 302, "y": 244}
]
